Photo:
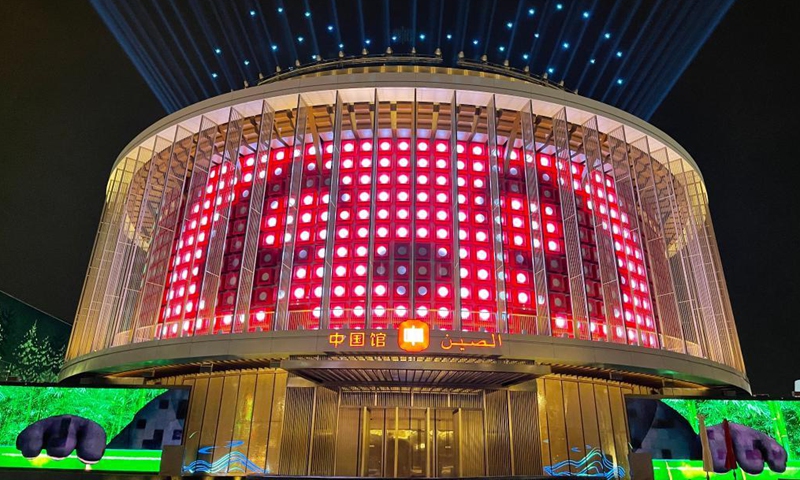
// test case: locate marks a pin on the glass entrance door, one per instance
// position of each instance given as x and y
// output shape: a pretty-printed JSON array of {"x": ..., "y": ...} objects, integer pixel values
[{"x": 404, "y": 442}]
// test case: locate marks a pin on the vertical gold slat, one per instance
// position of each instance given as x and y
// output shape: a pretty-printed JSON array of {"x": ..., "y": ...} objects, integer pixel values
[
  {"x": 194, "y": 423},
  {"x": 458, "y": 437},
  {"x": 555, "y": 422},
  {"x": 262, "y": 418},
  {"x": 225, "y": 417},
  {"x": 243, "y": 414},
  {"x": 296, "y": 438},
  {"x": 605, "y": 423},
  {"x": 473, "y": 444},
  {"x": 525, "y": 433},
  {"x": 366, "y": 440},
  {"x": 208, "y": 431},
  {"x": 324, "y": 435},
  {"x": 618, "y": 419},
  {"x": 544, "y": 432},
  {"x": 497, "y": 435},
  {"x": 591, "y": 432},
  {"x": 572, "y": 416},
  {"x": 276, "y": 423},
  {"x": 348, "y": 441}
]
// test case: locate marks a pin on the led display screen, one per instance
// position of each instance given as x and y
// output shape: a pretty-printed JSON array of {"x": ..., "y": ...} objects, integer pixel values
[
  {"x": 106, "y": 429},
  {"x": 394, "y": 211},
  {"x": 744, "y": 437}
]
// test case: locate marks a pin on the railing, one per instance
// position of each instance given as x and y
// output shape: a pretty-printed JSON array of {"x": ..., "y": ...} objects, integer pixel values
[
  {"x": 444, "y": 319},
  {"x": 391, "y": 62}
]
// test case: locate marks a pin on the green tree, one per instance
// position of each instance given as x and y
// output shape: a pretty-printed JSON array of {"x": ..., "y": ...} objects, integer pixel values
[{"x": 33, "y": 357}]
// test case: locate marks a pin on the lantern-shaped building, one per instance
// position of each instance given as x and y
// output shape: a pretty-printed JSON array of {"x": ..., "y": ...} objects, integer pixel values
[{"x": 406, "y": 270}]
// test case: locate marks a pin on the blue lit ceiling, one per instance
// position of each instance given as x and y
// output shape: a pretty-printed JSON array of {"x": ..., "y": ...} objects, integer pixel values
[{"x": 626, "y": 53}]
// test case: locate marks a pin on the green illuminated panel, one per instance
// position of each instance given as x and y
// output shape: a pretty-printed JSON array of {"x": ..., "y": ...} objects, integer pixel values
[
  {"x": 114, "y": 461},
  {"x": 136, "y": 423},
  {"x": 693, "y": 470}
]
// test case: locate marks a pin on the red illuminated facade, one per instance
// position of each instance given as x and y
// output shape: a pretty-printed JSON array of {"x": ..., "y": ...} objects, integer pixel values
[{"x": 401, "y": 222}]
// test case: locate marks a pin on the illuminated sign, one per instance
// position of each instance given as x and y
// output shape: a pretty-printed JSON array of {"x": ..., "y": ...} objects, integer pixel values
[
  {"x": 448, "y": 343},
  {"x": 357, "y": 339},
  {"x": 413, "y": 336}
]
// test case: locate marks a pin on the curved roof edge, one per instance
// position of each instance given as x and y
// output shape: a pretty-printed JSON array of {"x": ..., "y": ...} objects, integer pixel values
[
  {"x": 283, "y": 344},
  {"x": 546, "y": 101}
]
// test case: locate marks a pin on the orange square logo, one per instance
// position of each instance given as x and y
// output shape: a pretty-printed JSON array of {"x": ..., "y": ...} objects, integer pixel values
[{"x": 413, "y": 336}]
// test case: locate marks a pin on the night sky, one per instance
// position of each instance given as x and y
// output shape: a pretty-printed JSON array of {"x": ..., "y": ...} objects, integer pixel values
[{"x": 71, "y": 100}]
